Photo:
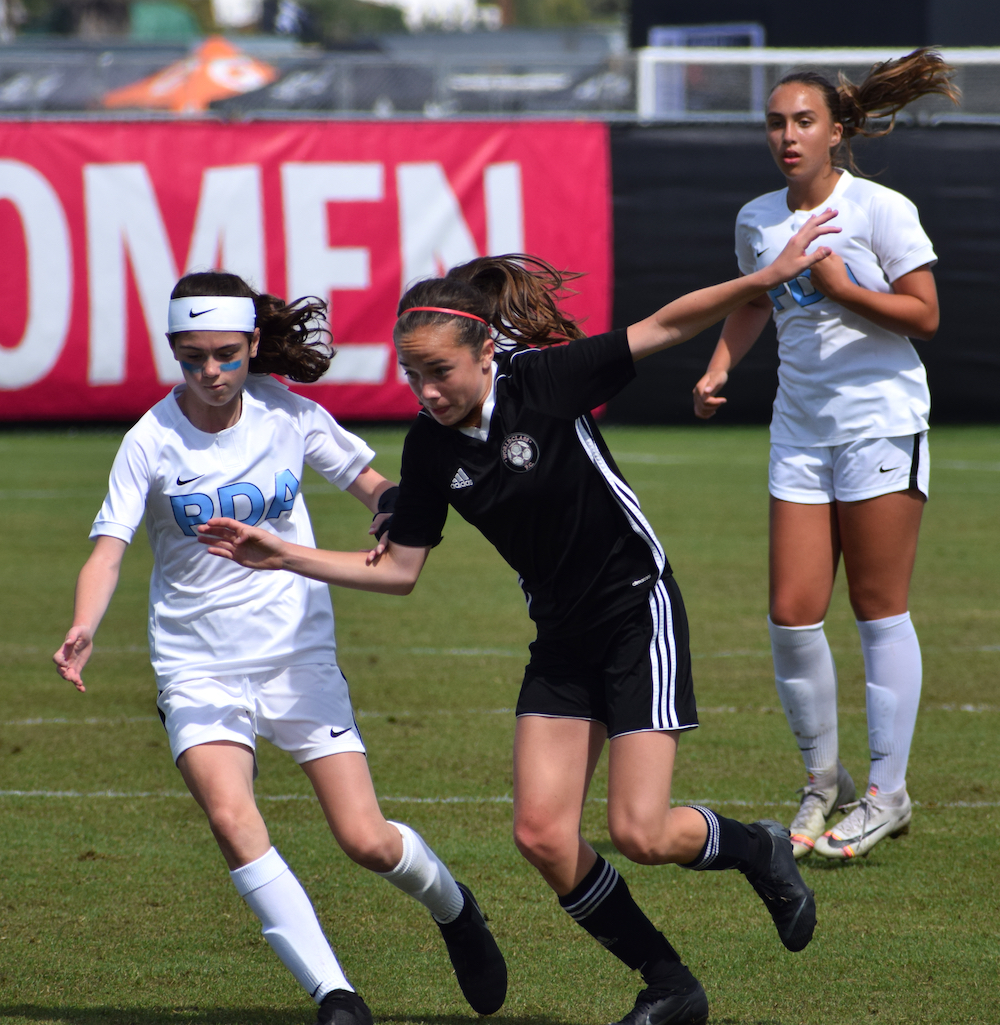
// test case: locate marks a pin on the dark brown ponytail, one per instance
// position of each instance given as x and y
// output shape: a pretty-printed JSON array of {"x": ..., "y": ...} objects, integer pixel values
[
  {"x": 293, "y": 341},
  {"x": 517, "y": 295},
  {"x": 886, "y": 90}
]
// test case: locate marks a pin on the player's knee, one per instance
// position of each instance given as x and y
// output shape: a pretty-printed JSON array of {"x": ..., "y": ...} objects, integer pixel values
[
  {"x": 637, "y": 843},
  {"x": 796, "y": 611},
  {"x": 231, "y": 823},
  {"x": 369, "y": 851},
  {"x": 541, "y": 841},
  {"x": 871, "y": 603}
]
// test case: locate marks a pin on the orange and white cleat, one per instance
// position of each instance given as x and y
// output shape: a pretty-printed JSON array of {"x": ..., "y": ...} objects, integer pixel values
[
  {"x": 819, "y": 802},
  {"x": 876, "y": 816}
]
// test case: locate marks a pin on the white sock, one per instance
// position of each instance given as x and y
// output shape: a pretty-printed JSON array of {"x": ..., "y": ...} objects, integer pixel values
[
  {"x": 893, "y": 675},
  {"x": 806, "y": 678},
  {"x": 289, "y": 923},
  {"x": 423, "y": 875}
]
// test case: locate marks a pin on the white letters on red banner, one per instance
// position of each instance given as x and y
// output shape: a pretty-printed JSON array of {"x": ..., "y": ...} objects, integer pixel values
[{"x": 97, "y": 222}]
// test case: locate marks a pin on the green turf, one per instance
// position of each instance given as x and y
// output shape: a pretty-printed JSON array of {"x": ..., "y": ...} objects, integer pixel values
[{"x": 115, "y": 906}]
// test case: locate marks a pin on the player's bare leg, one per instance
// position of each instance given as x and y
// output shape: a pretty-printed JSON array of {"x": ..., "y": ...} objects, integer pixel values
[
  {"x": 803, "y": 556},
  {"x": 643, "y": 825},
  {"x": 220, "y": 777},
  {"x": 879, "y": 540},
  {"x": 554, "y": 761},
  {"x": 344, "y": 787}
]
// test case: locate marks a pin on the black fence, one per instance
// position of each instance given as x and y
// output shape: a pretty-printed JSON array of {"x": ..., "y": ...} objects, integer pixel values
[{"x": 677, "y": 191}]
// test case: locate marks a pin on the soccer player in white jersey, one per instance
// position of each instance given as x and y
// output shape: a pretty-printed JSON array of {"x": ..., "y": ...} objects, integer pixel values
[
  {"x": 507, "y": 439},
  {"x": 849, "y": 465},
  {"x": 239, "y": 654}
]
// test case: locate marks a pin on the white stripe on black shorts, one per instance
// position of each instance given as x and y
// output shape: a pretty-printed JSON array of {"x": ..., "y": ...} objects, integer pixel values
[{"x": 631, "y": 672}]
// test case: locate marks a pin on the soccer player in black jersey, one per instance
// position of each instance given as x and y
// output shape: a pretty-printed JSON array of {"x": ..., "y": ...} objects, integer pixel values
[{"x": 506, "y": 437}]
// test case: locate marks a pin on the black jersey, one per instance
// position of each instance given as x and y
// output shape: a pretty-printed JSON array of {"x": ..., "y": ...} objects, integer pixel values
[{"x": 543, "y": 487}]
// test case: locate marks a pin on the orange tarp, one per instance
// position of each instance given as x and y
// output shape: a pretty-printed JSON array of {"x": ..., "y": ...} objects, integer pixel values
[{"x": 214, "y": 71}]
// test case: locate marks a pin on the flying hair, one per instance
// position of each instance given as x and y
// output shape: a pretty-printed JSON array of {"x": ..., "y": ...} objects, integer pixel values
[
  {"x": 886, "y": 90},
  {"x": 516, "y": 296},
  {"x": 294, "y": 341}
]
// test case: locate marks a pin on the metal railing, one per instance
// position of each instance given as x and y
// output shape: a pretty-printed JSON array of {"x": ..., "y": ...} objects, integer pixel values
[{"x": 694, "y": 83}]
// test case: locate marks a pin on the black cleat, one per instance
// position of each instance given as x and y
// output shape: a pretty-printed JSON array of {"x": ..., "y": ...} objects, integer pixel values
[
  {"x": 668, "y": 1007},
  {"x": 479, "y": 966},
  {"x": 791, "y": 903},
  {"x": 342, "y": 1007}
]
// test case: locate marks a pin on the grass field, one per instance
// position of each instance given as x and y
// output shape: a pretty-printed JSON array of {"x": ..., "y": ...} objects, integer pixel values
[{"x": 115, "y": 906}]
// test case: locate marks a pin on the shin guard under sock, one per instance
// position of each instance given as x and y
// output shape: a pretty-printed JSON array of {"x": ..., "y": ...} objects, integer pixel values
[
  {"x": 893, "y": 675},
  {"x": 806, "y": 679},
  {"x": 289, "y": 924},
  {"x": 424, "y": 876},
  {"x": 603, "y": 906}
]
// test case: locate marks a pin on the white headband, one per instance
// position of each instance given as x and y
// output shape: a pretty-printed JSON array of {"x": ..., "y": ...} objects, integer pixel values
[{"x": 211, "y": 313}]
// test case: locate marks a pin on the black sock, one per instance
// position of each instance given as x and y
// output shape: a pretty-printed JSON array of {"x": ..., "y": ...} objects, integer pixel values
[
  {"x": 603, "y": 906},
  {"x": 730, "y": 844}
]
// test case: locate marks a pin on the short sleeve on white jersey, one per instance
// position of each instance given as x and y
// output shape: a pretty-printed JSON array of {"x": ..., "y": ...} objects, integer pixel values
[
  {"x": 125, "y": 503},
  {"x": 331, "y": 451},
  {"x": 208, "y": 615},
  {"x": 841, "y": 376}
]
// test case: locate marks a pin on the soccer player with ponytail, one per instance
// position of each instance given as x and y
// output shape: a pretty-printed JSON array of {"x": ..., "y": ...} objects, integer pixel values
[
  {"x": 849, "y": 465},
  {"x": 238, "y": 654},
  {"x": 506, "y": 437}
]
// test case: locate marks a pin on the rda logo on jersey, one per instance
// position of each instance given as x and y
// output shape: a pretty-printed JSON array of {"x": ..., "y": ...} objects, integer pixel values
[{"x": 519, "y": 452}]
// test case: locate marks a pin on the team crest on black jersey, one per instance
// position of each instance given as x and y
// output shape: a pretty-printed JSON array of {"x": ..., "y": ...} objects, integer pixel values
[{"x": 519, "y": 452}]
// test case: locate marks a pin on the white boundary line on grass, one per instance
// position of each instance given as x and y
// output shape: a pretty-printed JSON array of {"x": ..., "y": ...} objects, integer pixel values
[
  {"x": 647, "y": 458},
  {"x": 445, "y": 712},
  {"x": 382, "y": 649},
  {"x": 123, "y": 795}
]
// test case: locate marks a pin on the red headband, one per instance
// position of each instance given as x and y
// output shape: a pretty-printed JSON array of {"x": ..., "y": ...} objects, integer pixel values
[{"x": 443, "y": 309}]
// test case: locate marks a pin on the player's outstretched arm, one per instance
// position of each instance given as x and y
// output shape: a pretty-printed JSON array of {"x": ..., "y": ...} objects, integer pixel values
[
  {"x": 741, "y": 329},
  {"x": 692, "y": 313},
  {"x": 395, "y": 571},
  {"x": 94, "y": 587}
]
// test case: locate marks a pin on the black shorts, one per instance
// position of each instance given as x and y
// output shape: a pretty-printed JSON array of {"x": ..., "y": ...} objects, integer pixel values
[{"x": 631, "y": 673}]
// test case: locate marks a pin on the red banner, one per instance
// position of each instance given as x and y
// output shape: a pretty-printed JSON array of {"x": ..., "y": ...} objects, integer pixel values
[{"x": 98, "y": 220}]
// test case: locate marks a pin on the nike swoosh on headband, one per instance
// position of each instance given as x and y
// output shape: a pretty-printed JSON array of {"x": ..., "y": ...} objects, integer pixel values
[{"x": 191, "y": 313}]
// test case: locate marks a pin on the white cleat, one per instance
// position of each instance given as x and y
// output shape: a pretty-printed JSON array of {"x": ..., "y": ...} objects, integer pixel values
[
  {"x": 818, "y": 804},
  {"x": 875, "y": 817}
]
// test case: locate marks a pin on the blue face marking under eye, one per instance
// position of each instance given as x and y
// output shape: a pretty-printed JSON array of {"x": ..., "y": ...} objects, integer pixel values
[
  {"x": 231, "y": 366},
  {"x": 191, "y": 368}
]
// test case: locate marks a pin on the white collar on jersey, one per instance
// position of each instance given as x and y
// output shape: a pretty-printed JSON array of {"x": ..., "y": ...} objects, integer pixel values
[
  {"x": 481, "y": 432},
  {"x": 211, "y": 313}
]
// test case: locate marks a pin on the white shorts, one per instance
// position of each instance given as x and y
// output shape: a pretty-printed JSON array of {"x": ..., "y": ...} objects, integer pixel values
[
  {"x": 304, "y": 710},
  {"x": 849, "y": 473}
]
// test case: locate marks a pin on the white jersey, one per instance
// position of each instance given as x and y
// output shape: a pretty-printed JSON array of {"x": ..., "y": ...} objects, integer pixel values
[
  {"x": 842, "y": 377},
  {"x": 210, "y": 616}
]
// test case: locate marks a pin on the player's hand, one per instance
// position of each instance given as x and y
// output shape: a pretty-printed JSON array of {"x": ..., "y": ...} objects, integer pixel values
[
  {"x": 830, "y": 277},
  {"x": 793, "y": 259},
  {"x": 73, "y": 654},
  {"x": 706, "y": 394},
  {"x": 249, "y": 546},
  {"x": 379, "y": 523}
]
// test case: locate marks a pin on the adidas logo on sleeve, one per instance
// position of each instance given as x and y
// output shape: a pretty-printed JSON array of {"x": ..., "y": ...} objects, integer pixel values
[{"x": 461, "y": 480}]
